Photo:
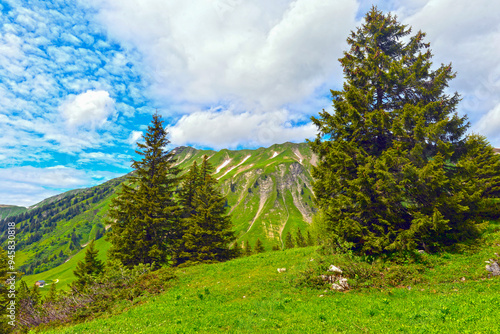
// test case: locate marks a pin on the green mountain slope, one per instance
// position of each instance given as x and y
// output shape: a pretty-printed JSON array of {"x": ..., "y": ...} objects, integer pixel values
[
  {"x": 268, "y": 190},
  {"x": 268, "y": 194},
  {"x": 10, "y": 210}
]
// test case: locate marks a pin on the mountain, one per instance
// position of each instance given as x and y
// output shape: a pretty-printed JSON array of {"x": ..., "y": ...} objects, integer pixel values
[
  {"x": 10, "y": 210},
  {"x": 268, "y": 192}
]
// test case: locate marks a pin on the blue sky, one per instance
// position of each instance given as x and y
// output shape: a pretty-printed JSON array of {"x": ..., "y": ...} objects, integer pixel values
[{"x": 79, "y": 80}]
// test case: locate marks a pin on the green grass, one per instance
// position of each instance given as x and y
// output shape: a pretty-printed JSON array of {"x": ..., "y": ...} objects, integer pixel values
[
  {"x": 248, "y": 295},
  {"x": 64, "y": 272}
]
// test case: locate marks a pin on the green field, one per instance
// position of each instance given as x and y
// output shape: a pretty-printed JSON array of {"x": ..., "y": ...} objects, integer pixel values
[
  {"x": 248, "y": 295},
  {"x": 63, "y": 274}
]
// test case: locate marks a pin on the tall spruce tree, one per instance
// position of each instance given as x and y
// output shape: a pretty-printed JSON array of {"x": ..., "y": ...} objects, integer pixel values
[
  {"x": 207, "y": 227},
  {"x": 392, "y": 175},
  {"x": 145, "y": 218},
  {"x": 88, "y": 269}
]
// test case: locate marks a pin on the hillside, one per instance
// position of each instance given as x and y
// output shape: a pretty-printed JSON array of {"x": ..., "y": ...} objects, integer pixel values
[
  {"x": 268, "y": 194},
  {"x": 10, "y": 210},
  {"x": 268, "y": 190},
  {"x": 248, "y": 295}
]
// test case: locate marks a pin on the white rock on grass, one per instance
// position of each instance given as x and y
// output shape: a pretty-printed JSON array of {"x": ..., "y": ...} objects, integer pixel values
[
  {"x": 334, "y": 269},
  {"x": 494, "y": 268},
  {"x": 281, "y": 270}
]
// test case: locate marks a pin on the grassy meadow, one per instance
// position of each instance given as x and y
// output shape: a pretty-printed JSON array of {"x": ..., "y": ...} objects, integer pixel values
[{"x": 451, "y": 293}]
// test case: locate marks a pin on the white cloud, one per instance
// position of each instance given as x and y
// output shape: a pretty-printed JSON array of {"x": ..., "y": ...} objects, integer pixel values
[
  {"x": 115, "y": 159},
  {"x": 134, "y": 137},
  {"x": 90, "y": 108},
  {"x": 230, "y": 129},
  {"x": 264, "y": 53},
  {"x": 489, "y": 125},
  {"x": 29, "y": 185}
]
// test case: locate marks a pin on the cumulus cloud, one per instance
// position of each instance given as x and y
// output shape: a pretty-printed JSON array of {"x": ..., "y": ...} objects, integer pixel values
[
  {"x": 230, "y": 129},
  {"x": 90, "y": 108},
  {"x": 259, "y": 52}
]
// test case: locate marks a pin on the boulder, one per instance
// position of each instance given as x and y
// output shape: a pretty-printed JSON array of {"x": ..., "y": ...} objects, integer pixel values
[
  {"x": 337, "y": 282},
  {"x": 335, "y": 270},
  {"x": 493, "y": 268}
]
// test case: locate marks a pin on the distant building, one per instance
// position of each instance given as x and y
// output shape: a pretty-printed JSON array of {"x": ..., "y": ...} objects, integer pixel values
[
  {"x": 496, "y": 150},
  {"x": 40, "y": 283}
]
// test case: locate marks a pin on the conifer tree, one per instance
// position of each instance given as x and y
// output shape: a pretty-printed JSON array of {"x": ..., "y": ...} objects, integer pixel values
[
  {"x": 35, "y": 295},
  {"x": 289, "y": 241},
  {"x": 190, "y": 184},
  {"x": 248, "y": 249},
  {"x": 391, "y": 175},
  {"x": 207, "y": 230},
  {"x": 145, "y": 218},
  {"x": 309, "y": 240},
  {"x": 88, "y": 269},
  {"x": 299, "y": 239},
  {"x": 23, "y": 292},
  {"x": 4, "y": 290},
  {"x": 259, "y": 247},
  {"x": 52, "y": 295}
]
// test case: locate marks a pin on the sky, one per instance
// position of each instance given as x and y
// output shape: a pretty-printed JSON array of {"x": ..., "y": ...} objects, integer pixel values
[{"x": 80, "y": 79}]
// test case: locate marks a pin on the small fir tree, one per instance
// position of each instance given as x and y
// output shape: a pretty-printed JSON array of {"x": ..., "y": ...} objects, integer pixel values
[
  {"x": 35, "y": 295},
  {"x": 299, "y": 239},
  {"x": 52, "y": 294},
  {"x": 259, "y": 247},
  {"x": 87, "y": 270},
  {"x": 248, "y": 249},
  {"x": 144, "y": 217},
  {"x": 289, "y": 241},
  {"x": 309, "y": 240}
]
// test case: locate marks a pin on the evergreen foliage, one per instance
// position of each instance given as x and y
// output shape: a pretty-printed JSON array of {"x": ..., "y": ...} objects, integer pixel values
[
  {"x": 4, "y": 290},
  {"x": 309, "y": 240},
  {"x": 35, "y": 294},
  {"x": 395, "y": 170},
  {"x": 145, "y": 218},
  {"x": 289, "y": 241},
  {"x": 52, "y": 294},
  {"x": 248, "y": 249},
  {"x": 87, "y": 270},
  {"x": 299, "y": 239},
  {"x": 259, "y": 247},
  {"x": 206, "y": 226}
]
